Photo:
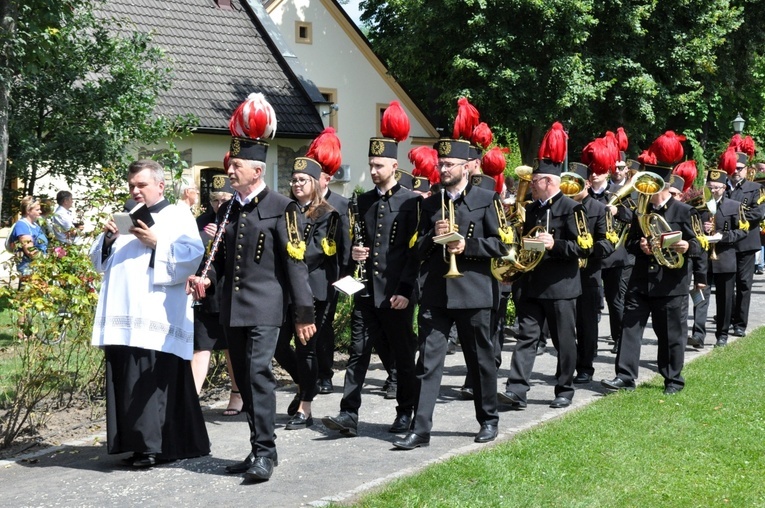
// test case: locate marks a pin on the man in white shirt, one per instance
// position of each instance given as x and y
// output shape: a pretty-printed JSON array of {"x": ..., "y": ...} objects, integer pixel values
[{"x": 64, "y": 226}]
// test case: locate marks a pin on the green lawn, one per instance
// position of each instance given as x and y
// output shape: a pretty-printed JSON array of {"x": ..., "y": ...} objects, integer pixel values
[{"x": 702, "y": 447}]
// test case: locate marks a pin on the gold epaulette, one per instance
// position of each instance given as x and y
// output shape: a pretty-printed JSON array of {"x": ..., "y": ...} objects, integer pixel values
[{"x": 329, "y": 246}]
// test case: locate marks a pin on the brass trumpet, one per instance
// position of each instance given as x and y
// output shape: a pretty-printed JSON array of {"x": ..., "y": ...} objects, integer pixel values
[{"x": 453, "y": 272}]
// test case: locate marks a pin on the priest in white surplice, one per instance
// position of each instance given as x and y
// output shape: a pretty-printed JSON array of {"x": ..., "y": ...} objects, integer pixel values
[{"x": 144, "y": 322}]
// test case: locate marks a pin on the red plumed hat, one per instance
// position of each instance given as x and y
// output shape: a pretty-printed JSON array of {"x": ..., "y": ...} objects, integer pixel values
[
  {"x": 621, "y": 139},
  {"x": 688, "y": 172},
  {"x": 668, "y": 148},
  {"x": 747, "y": 146},
  {"x": 466, "y": 121},
  {"x": 425, "y": 159},
  {"x": 482, "y": 136},
  {"x": 254, "y": 118},
  {"x": 553, "y": 145},
  {"x": 735, "y": 141},
  {"x": 647, "y": 157},
  {"x": 225, "y": 160},
  {"x": 395, "y": 123},
  {"x": 600, "y": 156},
  {"x": 493, "y": 162},
  {"x": 728, "y": 160},
  {"x": 325, "y": 150}
]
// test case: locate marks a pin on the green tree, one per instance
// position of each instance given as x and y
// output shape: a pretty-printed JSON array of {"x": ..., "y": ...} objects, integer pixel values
[
  {"x": 87, "y": 93},
  {"x": 592, "y": 64}
]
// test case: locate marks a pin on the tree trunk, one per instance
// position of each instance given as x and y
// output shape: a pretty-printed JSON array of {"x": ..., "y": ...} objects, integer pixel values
[{"x": 8, "y": 16}]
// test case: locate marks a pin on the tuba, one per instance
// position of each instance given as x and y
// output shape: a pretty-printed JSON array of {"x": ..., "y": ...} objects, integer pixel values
[
  {"x": 518, "y": 260},
  {"x": 654, "y": 225}
]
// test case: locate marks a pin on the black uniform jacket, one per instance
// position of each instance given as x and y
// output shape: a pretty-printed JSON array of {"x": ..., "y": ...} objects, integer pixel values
[
  {"x": 621, "y": 220},
  {"x": 557, "y": 275},
  {"x": 261, "y": 278},
  {"x": 602, "y": 248},
  {"x": 319, "y": 234},
  {"x": 389, "y": 223},
  {"x": 748, "y": 193},
  {"x": 477, "y": 219},
  {"x": 651, "y": 278},
  {"x": 726, "y": 222},
  {"x": 343, "y": 239}
]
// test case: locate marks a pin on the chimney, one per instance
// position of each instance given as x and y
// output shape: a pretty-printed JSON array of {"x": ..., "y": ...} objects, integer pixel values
[{"x": 224, "y": 4}]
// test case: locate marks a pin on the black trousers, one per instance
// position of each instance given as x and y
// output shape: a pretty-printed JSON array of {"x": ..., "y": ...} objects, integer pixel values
[
  {"x": 587, "y": 308},
  {"x": 700, "y": 313},
  {"x": 668, "y": 317},
  {"x": 302, "y": 363},
  {"x": 614, "y": 288},
  {"x": 498, "y": 337},
  {"x": 474, "y": 327},
  {"x": 325, "y": 340},
  {"x": 744, "y": 280},
  {"x": 561, "y": 319},
  {"x": 368, "y": 325},
  {"x": 251, "y": 349},
  {"x": 724, "y": 287}
]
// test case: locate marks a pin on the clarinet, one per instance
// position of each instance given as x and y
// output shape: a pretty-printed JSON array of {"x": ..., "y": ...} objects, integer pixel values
[
  {"x": 360, "y": 274},
  {"x": 200, "y": 286}
]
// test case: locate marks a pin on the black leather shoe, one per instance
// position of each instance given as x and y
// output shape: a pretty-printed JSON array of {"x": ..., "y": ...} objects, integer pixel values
[
  {"x": 721, "y": 343},
  {"x": 467, "y": 393},
  {"x": 617, "y": 384},
  {"x": 145, "y": 460},
  {"x": 672, "y": 390},
  {"x": 511, "y": 399},
  {"x": 696, "y": 342},
  {"x": 738, "y": 331},
  {"x": 560, "y": 402},
  {"x": 615, "y": 349},
  {"x": 451, "y": 348},
  {"x": 299, "y": 421},
  {"x": 411, "y": 441},
  {"x": 294, "y": 405},
  {"x": 242, "y": 467},
  {"x": 541, "y": 349},
  {"x": 325, "y": 386},
  {"x": 261, "y": 470},
  {"x": 346, "y": 423},
  {"x": 401, "y": 424},
  {"x": 582, "y": 378},
  {"x": 487, "y": 433},
  {"x": 390, "y": 393}
]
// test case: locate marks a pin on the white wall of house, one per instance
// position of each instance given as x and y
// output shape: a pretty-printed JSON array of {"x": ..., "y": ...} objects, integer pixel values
[{"x": 338, "y": 59}]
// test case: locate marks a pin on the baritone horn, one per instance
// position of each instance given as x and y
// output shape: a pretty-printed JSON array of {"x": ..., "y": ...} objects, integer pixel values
[{"x": 654, "y": 225}]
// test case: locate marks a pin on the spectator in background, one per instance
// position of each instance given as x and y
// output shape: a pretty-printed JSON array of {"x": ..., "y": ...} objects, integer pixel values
[
  {"x": 63, "y": 221},
  {"x": 188, "y": 195},
  {"x": 28, "y": 236}
]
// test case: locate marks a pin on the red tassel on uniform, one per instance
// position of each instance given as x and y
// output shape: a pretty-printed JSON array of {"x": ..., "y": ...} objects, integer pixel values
[
  {"x": 688, "y": 172},
  {"x": 553, "y": 145},
  {"x": 466, "y": 121},
  {"x": 394, "y": 123},
  {"x": 325, "y": 150}
]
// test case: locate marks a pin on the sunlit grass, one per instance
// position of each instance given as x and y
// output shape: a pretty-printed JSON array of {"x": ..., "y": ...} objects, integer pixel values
[{"x": 702, "y": 447}]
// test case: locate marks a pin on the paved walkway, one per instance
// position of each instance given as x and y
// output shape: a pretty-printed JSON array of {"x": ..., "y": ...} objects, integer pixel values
[{"x": 315, "y": 465}]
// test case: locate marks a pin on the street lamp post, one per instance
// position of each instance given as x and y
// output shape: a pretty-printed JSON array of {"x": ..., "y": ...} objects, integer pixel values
[{"x": 738, "y": 124}]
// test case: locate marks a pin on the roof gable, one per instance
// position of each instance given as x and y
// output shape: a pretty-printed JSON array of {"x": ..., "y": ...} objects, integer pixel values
[{"x": 219, "y": 57}]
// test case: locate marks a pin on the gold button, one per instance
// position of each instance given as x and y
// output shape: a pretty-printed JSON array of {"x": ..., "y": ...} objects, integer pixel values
[
  {"x": 377, "y": 273},
  {"x": 377, "y": 263},
  {"x": 236, "y": 267},
  {"x": 244, "y": 215},
  {"x": 380, "y": 215},
  {"x": 377, "y": 254},
  {"x": 241, "y": 235},
  {"x": 377, "y": 244},
  {"x": 238, "y": 256},
  {"x": 239, "y": 246},
  {"x": 236, "y": 279},
  {"x": 236, "y": 288}
]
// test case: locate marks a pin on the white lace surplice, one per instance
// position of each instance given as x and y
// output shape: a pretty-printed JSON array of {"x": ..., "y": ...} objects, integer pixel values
[{"x": 147, "y": 307}]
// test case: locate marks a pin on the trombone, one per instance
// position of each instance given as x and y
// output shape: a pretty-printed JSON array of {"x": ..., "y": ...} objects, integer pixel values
[{"x": 453, "y": 272}]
